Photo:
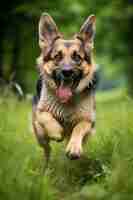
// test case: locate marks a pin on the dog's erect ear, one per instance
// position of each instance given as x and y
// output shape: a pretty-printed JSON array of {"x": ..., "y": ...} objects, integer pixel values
[
  {"x": 48, "y": 31},
  {"x": 87, "y": 31}
]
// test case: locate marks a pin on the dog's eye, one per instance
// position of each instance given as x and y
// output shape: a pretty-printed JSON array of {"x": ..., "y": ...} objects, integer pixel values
[
  {"x": 58, "y": 56},
  {"x": 76, "y": 57}
]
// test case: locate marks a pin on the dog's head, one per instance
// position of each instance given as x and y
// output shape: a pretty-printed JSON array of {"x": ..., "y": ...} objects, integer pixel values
[{"x": 66, "y": 62}]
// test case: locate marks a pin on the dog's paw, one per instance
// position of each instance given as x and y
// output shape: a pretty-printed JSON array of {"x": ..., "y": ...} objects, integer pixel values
[{"x": 74, "y": 150}]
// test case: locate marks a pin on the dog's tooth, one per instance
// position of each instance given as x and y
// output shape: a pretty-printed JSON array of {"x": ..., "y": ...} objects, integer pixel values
[
  {"x": 91, "y": 82},
  {"x": 59, "y": 113}
]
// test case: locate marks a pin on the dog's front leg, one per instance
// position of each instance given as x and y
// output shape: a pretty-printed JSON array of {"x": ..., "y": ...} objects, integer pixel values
[
  {"x": 46, "y": 128},
  {"x": 43, "y": 140},
  {"x": 74, "y": 147},
  {"x": 52, "y": 128}
]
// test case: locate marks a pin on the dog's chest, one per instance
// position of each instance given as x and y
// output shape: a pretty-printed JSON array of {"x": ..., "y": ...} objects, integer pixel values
[
  {"x": 62, "y": 113},
  {"x": 82, "y": 107}
]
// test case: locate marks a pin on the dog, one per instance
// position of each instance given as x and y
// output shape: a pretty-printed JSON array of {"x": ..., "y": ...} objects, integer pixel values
[{"x": 64, "y": 106}]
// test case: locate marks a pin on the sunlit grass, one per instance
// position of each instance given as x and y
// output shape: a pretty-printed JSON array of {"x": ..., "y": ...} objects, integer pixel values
[{"x": 105, "y": 172}]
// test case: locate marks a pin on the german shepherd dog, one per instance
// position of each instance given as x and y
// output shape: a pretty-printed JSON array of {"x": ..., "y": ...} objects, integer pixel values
[{"x": 64, "y": 106}]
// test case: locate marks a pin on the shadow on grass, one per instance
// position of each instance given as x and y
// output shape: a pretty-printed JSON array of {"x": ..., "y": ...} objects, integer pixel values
[{"x": 71, "y": 175}]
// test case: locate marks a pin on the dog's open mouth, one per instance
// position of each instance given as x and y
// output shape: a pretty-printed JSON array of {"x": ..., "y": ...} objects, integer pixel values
[
  {"x": 64, "y": 93},
  {"x": 66, "y": 82}
]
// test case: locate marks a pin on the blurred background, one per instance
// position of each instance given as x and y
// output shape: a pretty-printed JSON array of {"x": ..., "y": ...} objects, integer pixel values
[
  {"x": 106, "y": 170},
  {"x": 19, "y": 38}
]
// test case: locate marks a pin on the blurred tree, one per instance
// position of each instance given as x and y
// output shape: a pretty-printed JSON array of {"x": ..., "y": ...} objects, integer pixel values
[{"x": 11, "y": 36}]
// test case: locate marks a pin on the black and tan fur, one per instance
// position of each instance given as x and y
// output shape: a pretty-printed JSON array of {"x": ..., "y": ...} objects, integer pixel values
[{"x": 74, "y": 119}]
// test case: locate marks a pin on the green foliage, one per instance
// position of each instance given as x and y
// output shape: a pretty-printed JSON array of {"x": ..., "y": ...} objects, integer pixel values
[{"x": 105, "y": 172}]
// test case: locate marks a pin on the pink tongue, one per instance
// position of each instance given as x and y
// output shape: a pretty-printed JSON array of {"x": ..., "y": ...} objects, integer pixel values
[{"x": 64, "y": 94}]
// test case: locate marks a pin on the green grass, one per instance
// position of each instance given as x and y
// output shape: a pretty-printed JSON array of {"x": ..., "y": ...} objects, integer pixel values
[{"x": 105, "y": 172}]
